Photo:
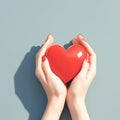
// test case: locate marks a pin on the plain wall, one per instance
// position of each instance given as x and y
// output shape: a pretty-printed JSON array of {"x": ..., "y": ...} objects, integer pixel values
[{"x": 24, "y": 25}]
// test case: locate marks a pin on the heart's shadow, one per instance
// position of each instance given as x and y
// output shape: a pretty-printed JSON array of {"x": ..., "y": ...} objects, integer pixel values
[
  {"x": 30, "y": 91},
  {"x": 66, "y": 46}
]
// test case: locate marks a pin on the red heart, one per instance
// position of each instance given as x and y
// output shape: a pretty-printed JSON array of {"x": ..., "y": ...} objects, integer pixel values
[{"x": 66, "y": 63}]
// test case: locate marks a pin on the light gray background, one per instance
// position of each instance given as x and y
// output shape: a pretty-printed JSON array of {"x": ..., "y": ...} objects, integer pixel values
[{"x": 24, "y": 24}]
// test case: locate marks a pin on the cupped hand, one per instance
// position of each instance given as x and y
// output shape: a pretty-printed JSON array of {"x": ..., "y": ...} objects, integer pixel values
[
  {"x": 80, "y": 84},
  {"x": 52, "y": 84}
]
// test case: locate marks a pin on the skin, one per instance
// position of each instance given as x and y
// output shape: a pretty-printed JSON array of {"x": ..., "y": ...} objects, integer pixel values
[{"x": 56, "y": 90}]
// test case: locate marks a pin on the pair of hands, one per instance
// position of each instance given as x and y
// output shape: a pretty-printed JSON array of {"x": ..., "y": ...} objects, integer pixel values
[{"x": 56, "y": 91}]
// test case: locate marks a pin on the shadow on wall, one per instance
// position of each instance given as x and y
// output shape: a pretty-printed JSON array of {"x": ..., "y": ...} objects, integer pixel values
[{"x": 29, "y": 89}]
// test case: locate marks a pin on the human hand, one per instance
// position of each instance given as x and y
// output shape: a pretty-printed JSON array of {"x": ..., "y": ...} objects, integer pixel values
[
  {"x": 80, "y": 84},
  {"x": 53, "y": 86},
  {"x": 56, "y": 90}
]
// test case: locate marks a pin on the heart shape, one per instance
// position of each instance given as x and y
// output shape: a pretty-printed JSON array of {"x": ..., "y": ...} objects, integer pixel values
[{"x": 66, "y": 64}]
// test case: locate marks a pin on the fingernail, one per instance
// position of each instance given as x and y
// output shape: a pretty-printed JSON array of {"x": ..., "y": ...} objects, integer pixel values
[{"x": 43, "y": 58}]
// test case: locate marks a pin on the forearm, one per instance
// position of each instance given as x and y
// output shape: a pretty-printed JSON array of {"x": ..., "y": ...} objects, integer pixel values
[
  {"x": 78, "y": 110},
  {"x": 53, "y": 109}
]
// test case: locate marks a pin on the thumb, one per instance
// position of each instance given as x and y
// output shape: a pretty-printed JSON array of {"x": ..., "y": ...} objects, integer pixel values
[
  {"x": 84, "y": 70},
  {"x": 46, "y": 68}
]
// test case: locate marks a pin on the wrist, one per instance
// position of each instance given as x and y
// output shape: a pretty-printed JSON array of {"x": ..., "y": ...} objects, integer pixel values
[
  {"x": 75, "y": 102},
  {"x": 59, "y": 97},
  {"x": 78, "y": 109},
  {"x": 54, "y": 108},
  {"x": 56, "y": 99},
  {"x": 71, "y": 98}
]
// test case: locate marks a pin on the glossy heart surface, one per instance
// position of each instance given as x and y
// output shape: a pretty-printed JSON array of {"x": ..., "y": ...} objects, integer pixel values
[{"x": 66, "y": 64}]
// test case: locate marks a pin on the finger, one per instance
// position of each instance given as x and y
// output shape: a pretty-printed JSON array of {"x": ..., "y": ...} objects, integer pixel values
[
  {"x": 41, "y": 52},
  {"x": 76, "y": 40},
  {"x": 92, "y": 58},
  {"x": 92, "y": 55},
  {"x": 39, "y": 72},
  {"x": 91, "y": 72},
  {"x": 82, "y": 75},
  {"x": 46, "y": 68},
  {"x": 86, "y": 45},
  {"x": 48, "y": 42}
]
